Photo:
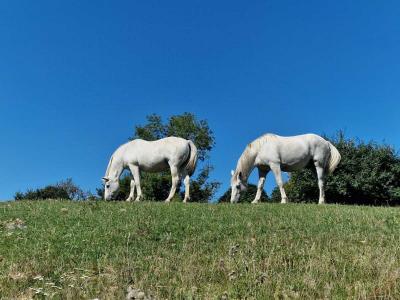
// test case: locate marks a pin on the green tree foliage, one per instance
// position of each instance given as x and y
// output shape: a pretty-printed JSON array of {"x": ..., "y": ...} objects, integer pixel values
[
  {"x": 368, "y": 173},
  {"x": 66, "y": 189},
  {"x": 185, "y": 126},
  {"x": 122, "y": 193},
  {"x": 245, "y": 197},
  {"x": 201, "y": 189},
  {"x": 156, "y": 186}
]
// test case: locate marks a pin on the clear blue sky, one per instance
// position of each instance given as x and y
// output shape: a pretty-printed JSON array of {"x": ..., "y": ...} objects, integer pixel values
[{"x": 76, "y": 76}]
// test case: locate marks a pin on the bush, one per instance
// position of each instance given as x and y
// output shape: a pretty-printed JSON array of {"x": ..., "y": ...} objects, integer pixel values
[
  {"x": 368, "y": 173},
  {"x": 61, "y": 190}
]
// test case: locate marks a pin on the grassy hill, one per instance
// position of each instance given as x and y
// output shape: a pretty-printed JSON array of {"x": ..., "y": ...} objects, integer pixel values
[{"x": 96, "y": 250}]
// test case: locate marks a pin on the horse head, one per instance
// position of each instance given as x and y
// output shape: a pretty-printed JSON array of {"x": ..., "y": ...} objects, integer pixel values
[
  {"x": 237, "y": 186},
  {"x": 110, "y": 187}
]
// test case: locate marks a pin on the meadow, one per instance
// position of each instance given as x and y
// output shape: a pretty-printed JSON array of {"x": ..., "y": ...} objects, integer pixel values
[{"x": 88, "y": 250}]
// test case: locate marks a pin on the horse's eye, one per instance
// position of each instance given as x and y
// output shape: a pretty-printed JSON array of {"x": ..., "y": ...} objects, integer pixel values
[
  {"x": 107, "y": 186},
  {"x": 238, "y": 186}
]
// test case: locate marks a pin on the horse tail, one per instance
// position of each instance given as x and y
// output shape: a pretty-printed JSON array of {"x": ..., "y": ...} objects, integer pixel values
[
  {"x": 192, "y": 161},
  {"x": 334, "y": 159}
]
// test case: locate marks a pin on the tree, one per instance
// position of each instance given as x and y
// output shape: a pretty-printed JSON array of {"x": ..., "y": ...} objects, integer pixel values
[
  {"x": 66, "y": 189},
  {"x": 202, "y": 190},
  {"x": 368, "y": 173},
  {"x": 246, "y": 196},
  {"x": 156, "y": 186},
  {"x": 185, "y": 126}
]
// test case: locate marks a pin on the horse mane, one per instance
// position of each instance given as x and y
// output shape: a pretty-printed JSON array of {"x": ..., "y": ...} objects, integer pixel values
[
  {"x": 109, "y": 166},
  {"x": 246, "y": 161},
  {"x": 117, "y": 156}
]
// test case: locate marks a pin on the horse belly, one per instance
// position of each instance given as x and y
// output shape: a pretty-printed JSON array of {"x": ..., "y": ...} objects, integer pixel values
[
  {"x": 158, "y": 166},
  {"x": 295, "y": 159},
  {"x": 294, "y": 166}
]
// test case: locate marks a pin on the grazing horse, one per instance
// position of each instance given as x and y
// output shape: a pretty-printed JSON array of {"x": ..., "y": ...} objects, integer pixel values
[
  {"x": 177, "y": 154},
  {"x": 278, "y": 153}
]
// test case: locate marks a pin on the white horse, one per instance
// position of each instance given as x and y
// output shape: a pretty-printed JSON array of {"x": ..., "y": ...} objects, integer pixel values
[
  {"x": 176, "y": 153},
  {"x": 278, "y": 153}
]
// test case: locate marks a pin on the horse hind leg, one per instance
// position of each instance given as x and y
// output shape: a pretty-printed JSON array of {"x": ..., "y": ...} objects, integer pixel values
[
  {"x": 175, "y": 181},
  {"x": 186, "y": 181},
  {"x": 276, "y": 169},
  {"x": 321, "y": 181}
]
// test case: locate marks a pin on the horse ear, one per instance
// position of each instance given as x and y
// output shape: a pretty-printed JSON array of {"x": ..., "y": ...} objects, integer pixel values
[
  {"x": 232, "y": 172},
  {"x": 105, "y": 179}
]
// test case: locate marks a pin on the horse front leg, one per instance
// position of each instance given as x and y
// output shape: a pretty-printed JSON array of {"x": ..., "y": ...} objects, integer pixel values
[
  {"x": 175, "y": 181},
  {"x": 261, "y": 181},
  {"x": 276, "y": 169},
  {"x": 132, "y": 192},
  {"x": 136, "y": 178}
]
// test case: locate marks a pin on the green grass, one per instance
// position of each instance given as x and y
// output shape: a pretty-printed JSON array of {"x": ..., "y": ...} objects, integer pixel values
[{"x": 96, "y": 250}]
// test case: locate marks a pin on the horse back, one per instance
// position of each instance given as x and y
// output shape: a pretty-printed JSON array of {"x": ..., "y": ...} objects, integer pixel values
[
  {"x": 292, "y": 152},
  {"x": 155, "y": 156}
]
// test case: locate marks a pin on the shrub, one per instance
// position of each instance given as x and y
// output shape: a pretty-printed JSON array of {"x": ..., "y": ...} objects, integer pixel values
[
  {"x": 62, "y": 190},
  {"x": 369, "y": 173}
]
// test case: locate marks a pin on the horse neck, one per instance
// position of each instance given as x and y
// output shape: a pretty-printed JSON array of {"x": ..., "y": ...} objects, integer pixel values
[
  {"x": 246, "y": 162},
  {"x": 115, "y": 168}
]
